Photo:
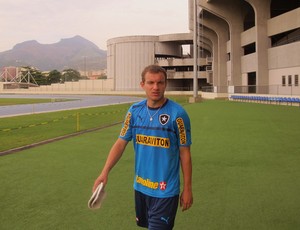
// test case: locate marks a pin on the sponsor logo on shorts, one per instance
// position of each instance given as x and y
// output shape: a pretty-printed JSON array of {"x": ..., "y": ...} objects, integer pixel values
[
  {"x": 165, "y": 219},
  {"x": 126, "y": 125},
  {"x": 153, "y": 141},
  {"x": 181, "y": 128}
]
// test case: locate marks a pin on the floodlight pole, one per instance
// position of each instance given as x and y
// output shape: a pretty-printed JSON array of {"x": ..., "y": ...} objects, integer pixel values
[{"x": 195, "y": 51}]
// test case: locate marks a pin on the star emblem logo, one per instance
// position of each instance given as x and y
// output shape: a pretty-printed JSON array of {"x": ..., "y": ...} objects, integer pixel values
[
  {"x": 163, "y": 185},
  {"x": 164, "y": 118}
]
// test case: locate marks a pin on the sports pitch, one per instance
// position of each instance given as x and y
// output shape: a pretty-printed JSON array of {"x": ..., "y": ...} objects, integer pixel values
[{"x": 246, "y": 174}]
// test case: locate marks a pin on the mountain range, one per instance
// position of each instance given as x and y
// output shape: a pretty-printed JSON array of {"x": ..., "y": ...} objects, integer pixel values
[{"x": 76, "y": 53}]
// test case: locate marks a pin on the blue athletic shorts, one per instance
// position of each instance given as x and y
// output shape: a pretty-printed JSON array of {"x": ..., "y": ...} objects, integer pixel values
[{"x": 155, "y": 213}]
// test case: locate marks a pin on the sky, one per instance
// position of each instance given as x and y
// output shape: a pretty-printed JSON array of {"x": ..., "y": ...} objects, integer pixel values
[{"x": 49, "y": 21}]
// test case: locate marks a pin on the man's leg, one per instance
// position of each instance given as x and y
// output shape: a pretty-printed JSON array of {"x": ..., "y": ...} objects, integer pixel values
[
  {"x": 162, "y": 213},
  {"x": 141, "y": 210}
]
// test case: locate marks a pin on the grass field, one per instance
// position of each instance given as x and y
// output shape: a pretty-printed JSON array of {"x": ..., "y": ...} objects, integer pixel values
[
  {"x": 19, "y": 101},
  {"x": 245, "y": 175},
  {"x": 23, "y": 130}
]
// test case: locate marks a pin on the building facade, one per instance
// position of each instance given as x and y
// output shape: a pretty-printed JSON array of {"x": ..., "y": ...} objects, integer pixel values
[{"x": 246, "y": 46}]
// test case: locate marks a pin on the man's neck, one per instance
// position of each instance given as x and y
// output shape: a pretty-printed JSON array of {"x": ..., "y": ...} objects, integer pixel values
[{"x": 156, "y": 104}]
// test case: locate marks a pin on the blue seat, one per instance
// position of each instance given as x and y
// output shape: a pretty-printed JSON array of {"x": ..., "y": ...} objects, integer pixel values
[
  {"x": 266, "y": 99},
  {"x": 295, "y": 100}
]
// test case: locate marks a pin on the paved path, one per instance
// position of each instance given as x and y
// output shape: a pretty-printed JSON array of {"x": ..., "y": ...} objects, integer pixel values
[{"x": 78, "y": 101}]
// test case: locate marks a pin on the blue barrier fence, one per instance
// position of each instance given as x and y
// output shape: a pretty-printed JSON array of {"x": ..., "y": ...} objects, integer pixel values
[{"x": 266, "y": 99}]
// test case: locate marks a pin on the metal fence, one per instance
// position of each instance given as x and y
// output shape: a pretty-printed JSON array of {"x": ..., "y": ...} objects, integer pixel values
[{"x": 288, "y": 90}]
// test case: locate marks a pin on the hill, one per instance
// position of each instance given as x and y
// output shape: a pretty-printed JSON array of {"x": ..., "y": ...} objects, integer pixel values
[{"x": 76, "y": 52}]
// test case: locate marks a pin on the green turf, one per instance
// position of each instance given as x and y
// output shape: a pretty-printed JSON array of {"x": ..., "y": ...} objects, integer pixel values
[
  {"x": 23, "y": 130},
  {"x": 245, "y": 175},
  {"x": 246, "y": 161},
  {"x": 18, "y": 101}
]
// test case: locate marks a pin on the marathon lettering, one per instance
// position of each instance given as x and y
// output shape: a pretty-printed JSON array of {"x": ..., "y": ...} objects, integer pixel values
[
  {"x": 153, "y": 141},
  {"x": 146, "y": 182},
  {"x": 126, "y": 125},
  {"x": 181, "y": 128}
]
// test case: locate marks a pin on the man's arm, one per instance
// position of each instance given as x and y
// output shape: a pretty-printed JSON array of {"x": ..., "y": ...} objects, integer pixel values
[
  {"x": 186, "y": 198},
  {"x": 113, "y": 157}
]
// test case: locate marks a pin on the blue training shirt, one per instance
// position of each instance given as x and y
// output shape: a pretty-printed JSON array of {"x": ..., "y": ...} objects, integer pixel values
[{"x": 156, "y": 144}]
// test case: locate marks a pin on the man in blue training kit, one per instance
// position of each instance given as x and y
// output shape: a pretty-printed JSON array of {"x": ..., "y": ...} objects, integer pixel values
[{"x": 161, "y": 134}]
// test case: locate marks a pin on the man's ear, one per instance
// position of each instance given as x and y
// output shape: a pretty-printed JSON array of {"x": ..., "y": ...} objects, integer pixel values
[{"x": 142, "y": 84}]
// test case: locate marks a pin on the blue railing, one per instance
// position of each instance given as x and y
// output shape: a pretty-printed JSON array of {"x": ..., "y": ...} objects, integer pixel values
[{"x": 266, "y": 99}]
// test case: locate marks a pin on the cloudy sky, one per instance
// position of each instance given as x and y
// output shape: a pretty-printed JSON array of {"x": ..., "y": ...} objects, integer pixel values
[{"x": 48, "y": 21}]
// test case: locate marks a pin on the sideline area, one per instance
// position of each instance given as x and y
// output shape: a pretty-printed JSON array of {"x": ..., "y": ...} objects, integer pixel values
[
  {"x": 75, "y": 102},
  {"x": 245, "y": 175}
]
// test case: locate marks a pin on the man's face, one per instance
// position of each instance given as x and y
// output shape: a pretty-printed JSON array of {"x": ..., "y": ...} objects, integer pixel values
[{"x": 154, "y": 86}]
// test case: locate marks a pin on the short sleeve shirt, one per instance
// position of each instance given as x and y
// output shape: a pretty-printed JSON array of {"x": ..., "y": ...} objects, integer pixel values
[{"x": 156, "y": 143}]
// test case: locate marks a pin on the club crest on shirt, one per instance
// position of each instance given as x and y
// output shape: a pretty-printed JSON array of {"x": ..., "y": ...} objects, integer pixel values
[{"x": 164, "y": 118}]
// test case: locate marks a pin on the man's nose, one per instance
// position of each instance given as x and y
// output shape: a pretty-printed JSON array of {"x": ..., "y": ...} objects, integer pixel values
[{"x": 155, "y": 86}]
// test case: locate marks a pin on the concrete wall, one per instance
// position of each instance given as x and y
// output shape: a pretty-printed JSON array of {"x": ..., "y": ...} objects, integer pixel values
[
  {"x": 248, "y": 37},
  {"x": 285, "y": 56},
  {"x": 276, "y": 81},
  {"x": 87, "y": 86},
  {"x": 127, "y": 58},
  {"x": 285, "y": 22},
  {"x": 249, "y": 63}
]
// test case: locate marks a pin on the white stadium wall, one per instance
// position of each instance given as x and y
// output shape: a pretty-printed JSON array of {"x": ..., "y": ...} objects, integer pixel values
[{"x": 127, "y": 58}]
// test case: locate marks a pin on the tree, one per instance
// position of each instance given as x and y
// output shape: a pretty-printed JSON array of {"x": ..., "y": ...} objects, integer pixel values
[
  {"x": 32, "y": 75},
  {"x": 70, "y": 75},
  {"x": 54, "y": 77}
]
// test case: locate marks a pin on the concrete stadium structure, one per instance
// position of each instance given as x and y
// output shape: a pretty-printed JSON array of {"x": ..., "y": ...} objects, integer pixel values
[{"x": 243, "y": 46}]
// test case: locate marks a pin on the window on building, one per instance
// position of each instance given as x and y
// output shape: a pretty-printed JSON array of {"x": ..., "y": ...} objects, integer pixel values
[
  {"x": 283, "y": 81},
  {"x": 296, "y": 80},
  {"x": 228, "y": 56},
  {"x": 249, "y": 49},
  {"x": 290, "y": 80}
]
